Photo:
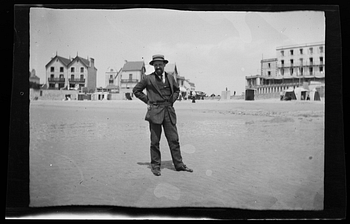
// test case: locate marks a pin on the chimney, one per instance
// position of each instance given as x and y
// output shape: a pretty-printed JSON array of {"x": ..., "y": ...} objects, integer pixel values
[{"x": 92, "y": 61}]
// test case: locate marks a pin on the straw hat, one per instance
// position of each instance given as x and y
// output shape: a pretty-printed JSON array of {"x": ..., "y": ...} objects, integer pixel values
[{"x": 158, "y": 57}]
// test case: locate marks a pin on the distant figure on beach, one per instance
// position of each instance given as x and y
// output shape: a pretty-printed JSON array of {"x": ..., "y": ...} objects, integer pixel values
[{"x": 162, "y": 92}]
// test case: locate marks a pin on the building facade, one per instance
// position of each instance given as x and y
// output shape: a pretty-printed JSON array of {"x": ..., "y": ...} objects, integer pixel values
[
  {"x": 131, "y": 73},
  {"x": 172, "y": 69},
  {"x": 112, "y": 79},
  {"x": 73, "y": 73},
  {"x": 294, "y": 66}
]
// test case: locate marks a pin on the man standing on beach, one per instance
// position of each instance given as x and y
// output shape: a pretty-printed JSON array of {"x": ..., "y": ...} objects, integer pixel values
[{"x": 162, "y": 92}]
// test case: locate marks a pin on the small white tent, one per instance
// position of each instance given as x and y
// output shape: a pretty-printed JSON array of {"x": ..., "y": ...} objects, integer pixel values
[
  {"x": 314, "y": 95},
  {"x": 300, "y": 93},
  {"x": 288, "y": 94}
]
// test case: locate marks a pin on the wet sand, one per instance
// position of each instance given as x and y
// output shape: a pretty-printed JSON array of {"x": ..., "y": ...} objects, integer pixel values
[{"x": 265, "y": 154}]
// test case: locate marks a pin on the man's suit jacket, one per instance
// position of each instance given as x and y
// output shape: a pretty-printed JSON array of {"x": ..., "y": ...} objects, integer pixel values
[{"x": 155, "y": 113}]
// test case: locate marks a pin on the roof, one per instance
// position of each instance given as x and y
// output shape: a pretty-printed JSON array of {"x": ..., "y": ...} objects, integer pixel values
[
  {"x": 64, "y": 61},
  {"x": 300, "y": 45},
  {"x": 84, "y": 61},
  {"x": 133, "y": 66},
  {"x": 268, "y": 59},
  {"x": 171, "y": 68},
  {"x": 253, "y": 76}
]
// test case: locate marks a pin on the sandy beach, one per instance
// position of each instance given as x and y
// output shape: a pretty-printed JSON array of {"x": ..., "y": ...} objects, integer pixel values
[{"x": 266, "y": 154}]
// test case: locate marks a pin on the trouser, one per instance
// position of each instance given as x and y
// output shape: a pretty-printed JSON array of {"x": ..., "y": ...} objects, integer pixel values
[{"x": 172, "y": 137}]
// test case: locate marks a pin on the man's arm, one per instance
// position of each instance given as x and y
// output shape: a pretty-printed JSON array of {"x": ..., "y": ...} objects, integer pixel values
[
  {"x": 176, "y": 91},
  {"x": 137, "y": 90}
]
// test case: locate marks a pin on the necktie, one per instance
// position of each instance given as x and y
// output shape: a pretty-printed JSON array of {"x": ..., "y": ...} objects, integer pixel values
[{"x": 162, "y": 78}]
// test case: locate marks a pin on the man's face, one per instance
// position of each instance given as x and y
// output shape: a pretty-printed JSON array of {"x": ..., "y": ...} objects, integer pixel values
[{"x": 159, "y": 67}]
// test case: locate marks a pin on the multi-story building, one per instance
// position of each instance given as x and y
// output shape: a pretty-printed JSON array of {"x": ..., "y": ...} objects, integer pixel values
[
  {"x": 131, "y": 73},
  {"x": 74, "y": 73},
  {"x": 112, "y": 79},
  {"x": 294, "y": 66},
  {"x": 172, "y": 69},
  {"x": 269, "y": 67}
]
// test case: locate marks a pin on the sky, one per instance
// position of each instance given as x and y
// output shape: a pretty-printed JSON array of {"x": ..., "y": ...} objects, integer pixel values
[{"x": 214, "y": 50}]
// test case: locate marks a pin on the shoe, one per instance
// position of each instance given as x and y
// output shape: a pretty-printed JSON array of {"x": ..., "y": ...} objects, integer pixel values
[
  {"x": 156, "y": 171},
  {"x": 184, "y": 168}
]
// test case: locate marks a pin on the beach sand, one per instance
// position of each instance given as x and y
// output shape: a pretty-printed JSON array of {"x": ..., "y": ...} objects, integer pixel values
[{"x": 265, "y": 154}]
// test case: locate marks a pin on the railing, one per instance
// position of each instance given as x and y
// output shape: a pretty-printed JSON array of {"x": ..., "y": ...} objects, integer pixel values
[
  {"x": 274, "y": 85},
  {"x": 129, "y": 80},
  {"x": 77, "y": 80},
  {"x": 56, "y": 79},
  {"x": 303, "y": 64}
]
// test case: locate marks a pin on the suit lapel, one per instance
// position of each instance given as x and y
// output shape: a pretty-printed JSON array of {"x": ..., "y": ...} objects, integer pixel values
[{"x": 153, "y": 81}]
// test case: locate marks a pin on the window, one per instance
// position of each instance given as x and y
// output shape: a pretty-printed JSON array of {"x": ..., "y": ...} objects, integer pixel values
[
  {"x": 291, "y": 62},
  {"x": 310, "y": 70},
  {"x": 282, "y": 71},
  {"x": 311, "y": 61},
  {"x": 301, "y": 71},
  {"x": 301, "y": 51},
  {"x": 72, "y": 77},
  {"x": 321, "y": 69},
  {"x": 301, "y": 62},
  {"x": 81, "y": 77},
  {"x": 52, "y": 69},
  {"x": 61, "y": 76},
  {"x": 310, "y": 50},
  {"x": 72, "y": 69},
  {"x": 321, "y": 49},
  {"x": 282, "y": 53},
  {"x": 110, "y": 81},
  {"x": 321, "y": 60},
  {"x": 52, "y": 75},
  {"x": 269, "y": 65},
  {"x": 82, "y": 69},
  {"x": 291, "y": 52},
  {"x": 130, "y": 76},
  {"x": 111, "y": 77},
  {"x": 282, "y": 63},
  {"x": 61, "y": 69},
  {"x": 268, "y": 73},
  {"x": 291, "y": 71}
]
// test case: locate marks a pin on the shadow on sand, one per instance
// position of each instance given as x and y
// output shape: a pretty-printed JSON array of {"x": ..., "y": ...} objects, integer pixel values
[{"x": 165, "y": 164}]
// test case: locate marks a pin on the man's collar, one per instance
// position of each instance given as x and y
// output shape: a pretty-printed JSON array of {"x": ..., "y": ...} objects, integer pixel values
[{"x": 158, "y": 75}]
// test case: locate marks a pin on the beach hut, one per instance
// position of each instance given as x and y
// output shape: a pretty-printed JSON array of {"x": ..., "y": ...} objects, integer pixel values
[
  {"x": 249, "y": 94},
  {"x": 300, "y": 93},
  {"x": 288, "y": 94},
  {"x": 314, "y": 95}
]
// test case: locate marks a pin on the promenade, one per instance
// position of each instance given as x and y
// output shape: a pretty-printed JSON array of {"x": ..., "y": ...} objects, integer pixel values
[{"x": 266, "y": 154}]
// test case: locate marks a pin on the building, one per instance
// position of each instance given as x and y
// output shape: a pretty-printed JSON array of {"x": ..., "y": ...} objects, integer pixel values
[
  {"x": 131, "y": 73},
  {"x": 33, "y": 78},
  {"x": 294, "y": 66},
  {"x": 269, "y": 67},
  {"x": 72, "y": 73},
  {"x": 112, "y": 79},
  {"x": 172, "y": 69}
]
